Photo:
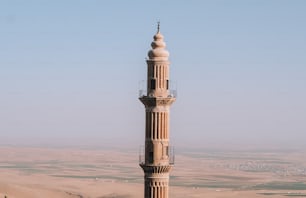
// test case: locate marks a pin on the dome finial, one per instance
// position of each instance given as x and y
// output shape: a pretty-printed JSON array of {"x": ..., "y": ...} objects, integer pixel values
[{"x": 158, "y": 51}]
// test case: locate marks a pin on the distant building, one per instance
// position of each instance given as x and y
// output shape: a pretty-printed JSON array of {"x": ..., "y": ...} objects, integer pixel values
[{"x": 158, "y": 157}]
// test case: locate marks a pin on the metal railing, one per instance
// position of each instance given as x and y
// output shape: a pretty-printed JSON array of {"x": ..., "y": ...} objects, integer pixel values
[
  {"x": 170, "y": 155},
  {"x": 172, "y": 91},
  {"x": 142, "y": 156}
]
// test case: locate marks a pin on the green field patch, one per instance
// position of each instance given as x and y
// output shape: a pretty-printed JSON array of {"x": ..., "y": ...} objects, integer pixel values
[
  {"x": 207, "y": 185},
  {"x": 258, "y": 171},
  {"x": 292, "y": 194},
  {"x": 231, "y": 177},
  {"x": 26, "y": 168},
  {"x": 16, "y": 166},
  {"x": 269, "y": 193},
  {"x": 276, "y": 162},
  {"x": 227, "y": 156},
  {"x": 281, "y": 186},
  {"x": 98, "y": 177},
  {"x": 296, "y": 195}
]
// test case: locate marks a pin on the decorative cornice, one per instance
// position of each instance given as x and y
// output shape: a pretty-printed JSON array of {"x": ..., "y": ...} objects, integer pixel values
[
  {"x": 159, "y": 169},
  {"x": 155, "y": 101}
]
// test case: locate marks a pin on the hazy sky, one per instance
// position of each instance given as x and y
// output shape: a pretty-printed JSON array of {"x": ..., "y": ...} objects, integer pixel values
[{"x": 70, "y": 70}]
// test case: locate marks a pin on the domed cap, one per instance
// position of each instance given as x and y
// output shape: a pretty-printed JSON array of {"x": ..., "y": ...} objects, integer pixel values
[{"x": 158, "y": 51}]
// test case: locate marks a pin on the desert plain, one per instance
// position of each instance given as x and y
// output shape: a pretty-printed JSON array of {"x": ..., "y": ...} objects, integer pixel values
[{"x": 37, "y": 172}]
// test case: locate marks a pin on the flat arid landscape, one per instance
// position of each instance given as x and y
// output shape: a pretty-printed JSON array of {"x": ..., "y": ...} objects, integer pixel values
[{"x": 32, "y": 172}]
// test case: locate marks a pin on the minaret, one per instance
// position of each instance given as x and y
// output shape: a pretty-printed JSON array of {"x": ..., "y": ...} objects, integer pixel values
[{"x": 158, "y": 156}]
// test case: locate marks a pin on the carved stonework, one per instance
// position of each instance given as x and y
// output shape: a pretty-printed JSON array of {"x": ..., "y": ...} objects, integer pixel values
[
  {"x": 158, "y": 158},
  {"x": 152, "y": 102},
  {"x": 165, "y": 101},
  {"x": 156, "y": 169}
]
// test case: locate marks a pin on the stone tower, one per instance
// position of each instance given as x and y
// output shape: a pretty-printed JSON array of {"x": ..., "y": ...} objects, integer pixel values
[{"x": 157, "y": 157}]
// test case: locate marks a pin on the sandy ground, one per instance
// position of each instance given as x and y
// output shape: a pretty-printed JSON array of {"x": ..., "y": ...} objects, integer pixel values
[{"x": 80, "y": 173}]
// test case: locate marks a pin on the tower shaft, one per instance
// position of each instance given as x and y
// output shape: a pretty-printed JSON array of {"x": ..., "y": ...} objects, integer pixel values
[{"x": 158, "y": 159}]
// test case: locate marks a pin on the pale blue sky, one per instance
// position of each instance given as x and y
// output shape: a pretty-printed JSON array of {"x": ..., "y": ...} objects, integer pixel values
[{"x": 69, "y": 71}]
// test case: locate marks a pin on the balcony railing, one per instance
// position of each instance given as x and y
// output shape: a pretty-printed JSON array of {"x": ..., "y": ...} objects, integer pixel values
[
  {"x": 169, "y": 155},
  {"x": 142, "y": 156},
  {"x": 172, "y": 91}
]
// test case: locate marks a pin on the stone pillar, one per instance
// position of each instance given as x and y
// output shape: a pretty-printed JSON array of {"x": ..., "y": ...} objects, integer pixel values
[{"x": 158, "y": 160}]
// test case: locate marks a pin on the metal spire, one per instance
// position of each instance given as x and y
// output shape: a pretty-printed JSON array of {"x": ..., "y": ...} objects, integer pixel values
[{"x": 158, "y": 26}]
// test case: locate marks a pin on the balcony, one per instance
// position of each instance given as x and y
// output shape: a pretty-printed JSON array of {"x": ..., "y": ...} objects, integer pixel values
[
  {"x": 168, "y": 155},
  {"x": 172, "y": 91}
]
